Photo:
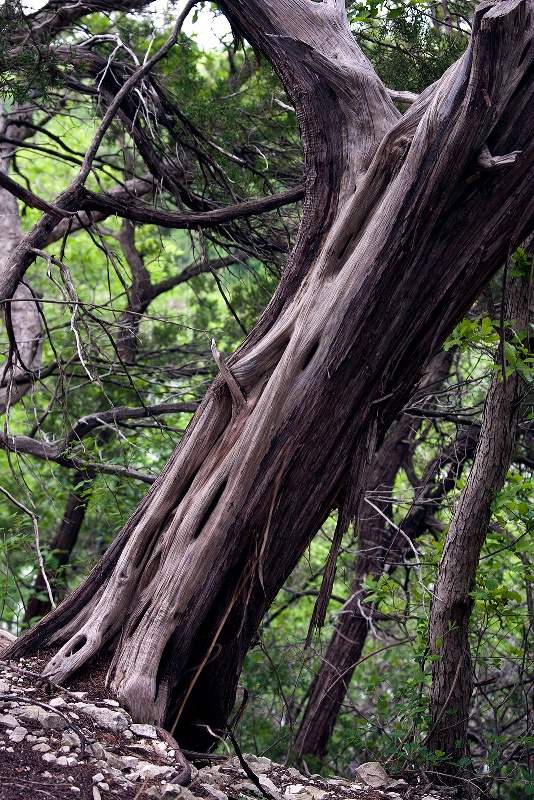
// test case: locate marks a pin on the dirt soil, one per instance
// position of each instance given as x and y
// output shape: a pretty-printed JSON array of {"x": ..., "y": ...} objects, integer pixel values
[{"x": 25, "y": 774}]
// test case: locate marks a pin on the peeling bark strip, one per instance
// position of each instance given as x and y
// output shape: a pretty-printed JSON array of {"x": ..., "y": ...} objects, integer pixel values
[
  {"x": 452, "y": 674},
  {"x": 401, "y": 229}
]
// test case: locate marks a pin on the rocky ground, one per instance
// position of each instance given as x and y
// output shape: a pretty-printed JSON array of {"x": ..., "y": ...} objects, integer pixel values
[{"x": 66, "y": 743}]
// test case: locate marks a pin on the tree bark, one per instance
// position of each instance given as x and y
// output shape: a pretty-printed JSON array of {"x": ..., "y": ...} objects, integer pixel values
[
  {"x": 452, "y": 674},
  {"x": 22, "y": 316},
  {"x": 401, "y": 229}
]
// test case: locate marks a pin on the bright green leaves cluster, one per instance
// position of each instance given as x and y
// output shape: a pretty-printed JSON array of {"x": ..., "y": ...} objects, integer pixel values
[
  {"x": 377, "y": 590},
  {"x": 515, "y": 499},
  {"x": 519, "y": 357},
  {"x": 375, "y": 9},
  {"x": 484, "y": 333},
  {"x": 481, "y": 330},
  {"x": 16, "y": 554},
  {"x": 521, "y": 264},
  {"x": 493, "y": 597}
]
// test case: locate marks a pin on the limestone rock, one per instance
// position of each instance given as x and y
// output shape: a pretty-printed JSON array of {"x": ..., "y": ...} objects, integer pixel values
[
  {"x": 214, "y": 792},
  {"x": 70, "y": 739},
  {"x": 373, "y": 774},
  {"x": 294, "y": 789},
  {"x": 267, "y": 783},
  {"x": 41, "y": 718},
  {"x": 261, "y": 765},
  {"x": 42, "y": 747},
  {"x": 249, "y": 787},
  {"x": 18, "y": 734},
  {"x": 106, "y": 718},
  {"x": 8, "y": 720},
  {"x": 316, "y": 792},
  {"x": 172, "y": 791},
  {"x": 294, "y": 773},
  {"x": 57, "y": 702},
  {"x": 148, "y": 731},
  {"x": 95, "y": 749},
  {"x": 145, "y": 770}
]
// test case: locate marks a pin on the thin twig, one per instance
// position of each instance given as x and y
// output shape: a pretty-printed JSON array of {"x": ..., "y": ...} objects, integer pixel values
[
  {"x": 250, "y": 774},
  {"x": 125, "y": 88}
]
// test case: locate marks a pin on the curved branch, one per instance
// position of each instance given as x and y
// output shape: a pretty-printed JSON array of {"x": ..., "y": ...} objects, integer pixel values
[
  {"x": 107, "y": 204},
  {"x": 136, "y": 187}
]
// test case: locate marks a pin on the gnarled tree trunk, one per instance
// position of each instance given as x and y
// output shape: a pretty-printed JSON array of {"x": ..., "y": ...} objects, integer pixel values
[{"x": 402, "y": 226}]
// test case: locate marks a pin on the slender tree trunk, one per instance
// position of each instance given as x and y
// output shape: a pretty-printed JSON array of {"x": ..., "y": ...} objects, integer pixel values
[
  {"x": 22, "y": 317},
  {"x": 139, "y": 296},
  {"x": 452, "y": 674},
  {"x": 401, "y": 229}
]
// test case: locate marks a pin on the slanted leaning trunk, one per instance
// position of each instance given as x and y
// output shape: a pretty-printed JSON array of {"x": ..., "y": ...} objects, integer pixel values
[
  {"x": 452, "y": 674},
  {"x": 401, "y": 229}
]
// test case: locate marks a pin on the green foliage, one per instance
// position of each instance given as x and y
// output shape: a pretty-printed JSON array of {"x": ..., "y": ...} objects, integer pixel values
[
  {"x": 522, "y": 264},
  {"x": 16, "y": 556},
  {"x": 481, "y": 330},
  {"x": 31, "y": 67},
  {"x": 410, "y": 48},
  {"x": 384, "y": 9}
]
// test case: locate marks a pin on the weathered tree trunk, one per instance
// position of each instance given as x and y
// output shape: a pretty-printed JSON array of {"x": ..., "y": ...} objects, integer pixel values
[
  {"x": 401, "y": 229},
  {"x": 22, "y": 317},
  {"x": 452, "y": 674},
  {"x": 330, "y": 685}
]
